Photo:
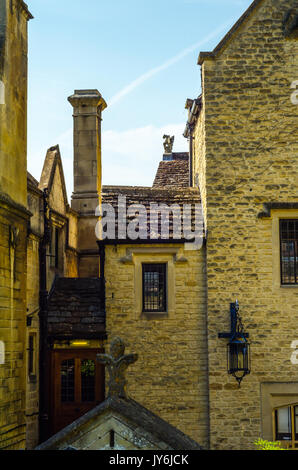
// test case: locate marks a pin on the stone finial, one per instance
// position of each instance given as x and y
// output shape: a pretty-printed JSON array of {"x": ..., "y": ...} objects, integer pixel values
[
  {"x": 168, "y": 143},
  {"x": 117, "y": 363}
]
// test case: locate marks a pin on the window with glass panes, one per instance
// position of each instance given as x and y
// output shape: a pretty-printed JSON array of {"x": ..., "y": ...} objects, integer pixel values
[
  {"x": 289, "y": 251},
  {"x": 286, "y": 423},
  {"x": 154, "y": 287}
]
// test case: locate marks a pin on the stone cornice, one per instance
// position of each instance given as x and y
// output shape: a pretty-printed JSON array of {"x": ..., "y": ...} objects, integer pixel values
[
  {"x": 24, "y": 7},
  {"x": 11, "y": 205}
]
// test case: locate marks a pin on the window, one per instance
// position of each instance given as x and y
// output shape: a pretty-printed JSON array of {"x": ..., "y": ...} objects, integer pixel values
[
  {"x": 2, "y": 352},
  {"x": 56, "y": 248},
  {"x": 154, "y": 287},
  {"x": 289, "y": 251},
  {"x": 55, "y": 252},
  {"x": 67, "y": 380},
  {"x": 31, "y": 355},
  {"x": 286, "y": 425}
]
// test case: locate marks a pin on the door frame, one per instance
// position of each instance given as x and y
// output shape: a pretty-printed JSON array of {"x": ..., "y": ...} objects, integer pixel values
[{"x": 56, "y": 357}]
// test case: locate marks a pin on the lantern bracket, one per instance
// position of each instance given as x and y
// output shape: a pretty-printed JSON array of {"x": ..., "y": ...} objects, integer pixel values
[
  {"x": 237, "y": 346},
  {"x": 236, "y": 324}
]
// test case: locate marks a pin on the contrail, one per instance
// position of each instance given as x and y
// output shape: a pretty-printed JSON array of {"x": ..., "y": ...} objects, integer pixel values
[{"x": 143, "y": 78}]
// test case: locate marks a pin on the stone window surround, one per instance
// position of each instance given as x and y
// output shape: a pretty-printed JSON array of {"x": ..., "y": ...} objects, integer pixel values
[
  {"x": 276, "y": 216},
  {"x": 57, "y": 221},
  {"x": 275, "y": 395},
  {"x": 169, "y": 255}
]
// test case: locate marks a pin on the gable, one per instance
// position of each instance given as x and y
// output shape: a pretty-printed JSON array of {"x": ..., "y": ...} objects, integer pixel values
[
  {"x": 52, "y": 179},
  {"x": 133, "y": 426},
  {"x": 56, "y": 196},
  {"x": 112, "y": 431},
  {"x": 259, "y": 11}
]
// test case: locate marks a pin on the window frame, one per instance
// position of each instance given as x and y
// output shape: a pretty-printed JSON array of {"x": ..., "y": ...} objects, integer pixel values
[
  {"x": 32, "y": 356},
  {"x": 293, "y": 441},
  {"x": 164, "y": 266},
  {"x": 281, "y": 221}
]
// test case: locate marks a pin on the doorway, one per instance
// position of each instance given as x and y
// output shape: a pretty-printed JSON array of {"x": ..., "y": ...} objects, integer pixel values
[{"x": 77, "y": 385}]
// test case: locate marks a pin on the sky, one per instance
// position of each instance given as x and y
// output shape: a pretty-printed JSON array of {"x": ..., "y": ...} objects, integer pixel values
[{"x": 141, "y": 55}]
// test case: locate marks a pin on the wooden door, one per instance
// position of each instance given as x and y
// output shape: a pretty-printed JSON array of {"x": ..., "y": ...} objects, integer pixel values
[{"x": 77, "y": 385}]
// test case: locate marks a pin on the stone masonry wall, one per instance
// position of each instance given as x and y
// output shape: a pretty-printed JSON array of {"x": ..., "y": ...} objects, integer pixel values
[
  {"x": 251, "y": 159},
  {"x": 170, "y": 376},
  {"x": 12, "y": 330},
  {"x": 13, "y": 113},
  {"x": 32, "y": 381},
  {"x": 13, "y": 220}
]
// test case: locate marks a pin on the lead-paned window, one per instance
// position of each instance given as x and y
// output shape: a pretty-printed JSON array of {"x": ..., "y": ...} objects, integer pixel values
[
  {"x": 289, "y": 251},
  {"x": 154, "y": 287}
]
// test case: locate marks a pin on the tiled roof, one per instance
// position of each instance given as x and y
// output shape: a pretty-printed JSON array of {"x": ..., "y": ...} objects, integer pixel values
[
  {"x": 146, "y": 196},
  {"x": 173, "y": 173},
  {"x": 75, "y": 306}
]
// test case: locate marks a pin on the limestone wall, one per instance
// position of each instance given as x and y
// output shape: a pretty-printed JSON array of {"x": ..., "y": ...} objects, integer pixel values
[
  {"x": 13, "y": 111},
  {"x": 13, "y": 221},
  {"x": 32, "y": 378},
  {"x": 170, "y": 376},
  {"x": 251, "y": 158},
  {"x": 12, "y": 328}
]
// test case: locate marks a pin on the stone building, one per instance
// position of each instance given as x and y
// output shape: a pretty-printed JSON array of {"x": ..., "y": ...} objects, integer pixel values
[
  {"x": 14, "y": 218},
  {"x": 172, "y": 301},
  {"x": 243, "y": 136}
]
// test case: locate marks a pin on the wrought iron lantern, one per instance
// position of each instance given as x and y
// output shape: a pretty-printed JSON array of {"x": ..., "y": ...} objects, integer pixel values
[{"x": 238, "y": 349}]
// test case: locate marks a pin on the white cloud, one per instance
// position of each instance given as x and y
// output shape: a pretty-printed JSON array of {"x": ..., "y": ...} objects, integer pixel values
[{"x": 129, "y": 157}]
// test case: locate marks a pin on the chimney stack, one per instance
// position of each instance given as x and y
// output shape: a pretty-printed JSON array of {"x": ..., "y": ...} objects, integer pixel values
[{"x": 87, "y": 108}]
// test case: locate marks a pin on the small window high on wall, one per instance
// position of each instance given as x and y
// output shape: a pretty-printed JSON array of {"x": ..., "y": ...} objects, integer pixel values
[
  {"x": 154, "y": 287},
  {"x": 289, "y": 251}
]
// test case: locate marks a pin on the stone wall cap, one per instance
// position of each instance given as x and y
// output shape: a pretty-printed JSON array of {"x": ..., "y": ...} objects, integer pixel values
[
  {"x": 26, "y": 10},
  {"x": 87, "y": 97},
  {"x": 140, "y": 416}
]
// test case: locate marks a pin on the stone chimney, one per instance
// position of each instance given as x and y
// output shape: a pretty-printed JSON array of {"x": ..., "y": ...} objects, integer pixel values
[{"x": 87, "y": 108}]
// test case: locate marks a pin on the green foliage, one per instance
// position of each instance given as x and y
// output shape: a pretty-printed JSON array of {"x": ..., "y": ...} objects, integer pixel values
[
  {"x": 261, "y": 444},
  {"x": 88, "y": 368}
]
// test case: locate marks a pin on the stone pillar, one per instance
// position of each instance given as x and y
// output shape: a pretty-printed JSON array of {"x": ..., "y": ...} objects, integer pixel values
[{"x": 87, "y": 108}]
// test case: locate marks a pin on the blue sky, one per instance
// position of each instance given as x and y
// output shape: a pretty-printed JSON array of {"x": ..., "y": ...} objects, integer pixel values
[{"x": 142, "y": 57}]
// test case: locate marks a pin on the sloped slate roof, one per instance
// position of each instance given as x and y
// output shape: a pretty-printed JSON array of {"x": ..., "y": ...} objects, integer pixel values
[
  {"x": 146, "y": 196},
  {"x": 137, "y": 414},
  {"x": 75, "y": 307},
  {"x": 172, "y": 174}
]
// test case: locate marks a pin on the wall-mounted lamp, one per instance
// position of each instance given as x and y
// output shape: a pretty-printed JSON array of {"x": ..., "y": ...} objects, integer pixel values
[{"x": 238, "y": 349}]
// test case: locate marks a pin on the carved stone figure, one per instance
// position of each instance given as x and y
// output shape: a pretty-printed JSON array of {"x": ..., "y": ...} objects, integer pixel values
[
  {"x": 117, "y": 363},
  {"x": 168, "y": 143}
]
